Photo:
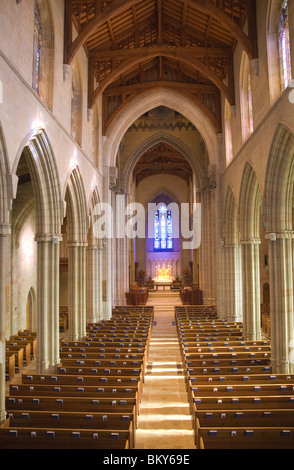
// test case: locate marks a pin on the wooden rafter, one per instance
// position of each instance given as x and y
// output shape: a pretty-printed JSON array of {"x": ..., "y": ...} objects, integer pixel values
[
  {"x": 128, "y": 40},
  {"x": 184, "y": 57}
]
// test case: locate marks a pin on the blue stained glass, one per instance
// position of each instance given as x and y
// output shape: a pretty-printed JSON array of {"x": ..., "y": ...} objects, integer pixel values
[{"x": 163, "y": 229}]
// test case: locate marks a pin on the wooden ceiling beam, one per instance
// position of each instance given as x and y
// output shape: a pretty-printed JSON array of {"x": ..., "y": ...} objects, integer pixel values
[
  {"x": 228, "y": 23},
  {"x": 115, "y": 8},
  {"x": 198, "y": 52},
  {"x": 185, "y": 58}
]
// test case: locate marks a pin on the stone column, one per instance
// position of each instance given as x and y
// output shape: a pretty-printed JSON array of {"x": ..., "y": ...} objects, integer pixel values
[
  {"x": 208, "y": 247},
  {"x": 4, "y": 231},
  {"x": 281, "y": 301},
  {"x": 106, "y": 280},
  {"x": 251, "y": 289},
  {"x": 92, "y": 289},
  {"x": 47, "y": 302},
  {"x": 77, "y": 290},
  {"x": 121, "y": 269},
  {"x": 233, "y": 282}
]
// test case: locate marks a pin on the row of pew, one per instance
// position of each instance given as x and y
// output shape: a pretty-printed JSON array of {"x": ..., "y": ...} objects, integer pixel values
[
  {"x": 93, "y": 399},
  {"x": 236, "y": 401},
  {"x": 20, "y": 350}
]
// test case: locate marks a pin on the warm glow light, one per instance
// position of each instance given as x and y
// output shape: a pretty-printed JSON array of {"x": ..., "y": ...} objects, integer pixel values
[
  {"x": 27, "y": 246},
  {"x": 38, "y": 122},
  {"x": 73, "y": 160},
  {"x": 171, "y": 404},
  {"x": 158, "y": 417},
  {"x": 166, "y": 432}
]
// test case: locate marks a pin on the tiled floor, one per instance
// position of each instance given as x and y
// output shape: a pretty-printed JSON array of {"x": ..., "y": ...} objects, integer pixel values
[{"x": 165, "y": 420}]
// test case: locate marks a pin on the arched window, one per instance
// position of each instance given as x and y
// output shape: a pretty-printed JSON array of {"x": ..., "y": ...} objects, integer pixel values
[
  {"x": 284, "y": 46},
  {"x": 246, "y": 98},
  {"x": 43, "y": 52},
  {"x": 163, "y": 229},
  {"x": 228, "y": 133},
  {"x": 37, "y": 49},
  {"x": 76, "y": 103}
]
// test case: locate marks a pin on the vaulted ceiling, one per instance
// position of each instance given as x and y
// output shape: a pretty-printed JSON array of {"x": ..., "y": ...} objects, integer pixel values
[{"x": 184, "y": 45}]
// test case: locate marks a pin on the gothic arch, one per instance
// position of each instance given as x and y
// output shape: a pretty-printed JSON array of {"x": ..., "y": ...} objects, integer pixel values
[
  {"x": 277, "y": 209},
  {"x": 150, "y": 142},
  {"x": 279, "y": 181},
  {"x": 76, "y": 103},
  {"x": 93, "y": 201},
  {"x": 76, "y": 205},
  {"x": 249, "y": 204},
  {"x": 43, "y": 52},
  {"x": 246, "y": 97},
  {"x": 249, "y": 215},
  {"x": 42, "y": 167},
  {"x": 232, "y": 261},
  {"x": 273, "y": 52},
  {"x": 152, "y": 99},
  {"x": 230, "y": 225}
]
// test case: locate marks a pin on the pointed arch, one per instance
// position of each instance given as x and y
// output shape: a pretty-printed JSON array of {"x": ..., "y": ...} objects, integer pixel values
[
  {"x": 246, "y": 98},
  {"x": 43, "y": 52},
  {"x": 279, "y": 181},
  {"x": 78, "y": 221},
  {"x": 249, "y": 204},
  {"x": 152, "y": 99},
  {"x": 93, "y": 201},
  {"x": 230, "y": 226},
  {"x": 76, "y": 103},
  {"x": 45, "y": 181},
  {"x": 150, "y": 142}
]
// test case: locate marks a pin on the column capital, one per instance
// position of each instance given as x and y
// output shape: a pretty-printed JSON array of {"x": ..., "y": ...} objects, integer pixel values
[
  {"x": 77, "y": 243},
  {"x": 5, "y": 229},
  {"x": 284, "y": 234},
  {"x": 250, "y": 241},
  {"x": 48, "y": 237}
]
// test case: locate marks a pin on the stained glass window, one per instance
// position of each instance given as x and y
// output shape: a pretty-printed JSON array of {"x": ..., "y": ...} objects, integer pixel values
[
  {"x": 163, "y": 229},
  {"x": 37, "y": 50},
  {"x": 250, "y": 108},
  {"x": 284, "y": 46}
]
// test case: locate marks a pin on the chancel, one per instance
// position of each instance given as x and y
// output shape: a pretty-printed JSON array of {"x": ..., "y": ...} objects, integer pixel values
[{"x": 146, "y": 225}]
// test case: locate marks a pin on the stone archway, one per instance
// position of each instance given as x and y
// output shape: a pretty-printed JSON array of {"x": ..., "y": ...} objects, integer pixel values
[
  {"x": 277, "y": 213},
  {"x": 41, "y": 165},
  {"x": 232, "y": 260},
  {"x": 77, "y": 241},
  {"x": 249, "y": 211}
]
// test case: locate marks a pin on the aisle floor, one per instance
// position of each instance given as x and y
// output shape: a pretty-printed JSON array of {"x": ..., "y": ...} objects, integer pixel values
[{"x": 165, "y": 421}]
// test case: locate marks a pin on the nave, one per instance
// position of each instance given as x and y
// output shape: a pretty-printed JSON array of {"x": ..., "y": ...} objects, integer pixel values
[{"x": 202, "y": 387}]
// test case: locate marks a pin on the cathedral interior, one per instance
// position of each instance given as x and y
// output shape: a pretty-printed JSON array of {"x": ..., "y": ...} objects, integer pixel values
[{"x": 146, "y": 182}]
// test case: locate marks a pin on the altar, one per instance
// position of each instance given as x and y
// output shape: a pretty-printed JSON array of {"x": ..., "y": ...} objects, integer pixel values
[{"x": 163, "y": 277}]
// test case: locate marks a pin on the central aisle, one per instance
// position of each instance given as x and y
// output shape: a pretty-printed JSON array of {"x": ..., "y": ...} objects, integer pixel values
[{"x": 165, "y": 421}]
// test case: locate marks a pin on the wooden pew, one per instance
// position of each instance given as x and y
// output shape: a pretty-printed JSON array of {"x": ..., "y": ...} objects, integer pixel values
[
  {"x": 219, "y": 393},
  {"x": 246, "y": 438},
  {"x": 55, "y": 438},
  {"x": 19, "y": 356},
  {"x": 242, "y": 419},
  {"x": 26, "y": 347},
  {"x": 69, "y": 420},
  {"x": 22, "y": 340},
  {"x": 72, "y": 404},
  {"x": 10, "y": 365}
]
